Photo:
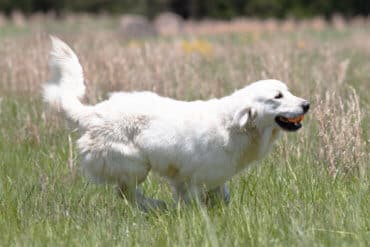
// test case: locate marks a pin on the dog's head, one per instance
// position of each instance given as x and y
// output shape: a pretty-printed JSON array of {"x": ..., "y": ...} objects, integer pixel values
[{"x": 267, "y": 103}]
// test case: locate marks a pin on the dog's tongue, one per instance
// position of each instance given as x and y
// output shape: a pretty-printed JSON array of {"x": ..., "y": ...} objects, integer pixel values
[{"x": 296, "y": 119}]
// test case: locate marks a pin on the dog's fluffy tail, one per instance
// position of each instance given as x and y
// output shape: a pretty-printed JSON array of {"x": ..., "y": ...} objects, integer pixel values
[{"x": 66, "y": 85}]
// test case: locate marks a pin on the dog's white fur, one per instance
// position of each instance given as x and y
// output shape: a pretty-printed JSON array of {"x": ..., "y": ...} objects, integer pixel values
[{"x": 195, "y": 145}]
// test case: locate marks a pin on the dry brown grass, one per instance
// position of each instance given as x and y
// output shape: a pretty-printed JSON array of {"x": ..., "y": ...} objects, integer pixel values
[{"x": 342, "y": 148}]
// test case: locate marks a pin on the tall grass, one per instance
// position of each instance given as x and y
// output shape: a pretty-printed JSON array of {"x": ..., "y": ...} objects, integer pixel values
[{"x": 312, "y": 190}]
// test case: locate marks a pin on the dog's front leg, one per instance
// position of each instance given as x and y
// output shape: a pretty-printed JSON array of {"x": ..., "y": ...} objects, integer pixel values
[
  {"x": 220, "y": 193},
  {"x": 187, "y": 193},
  {"x": 193, "y": 194}
]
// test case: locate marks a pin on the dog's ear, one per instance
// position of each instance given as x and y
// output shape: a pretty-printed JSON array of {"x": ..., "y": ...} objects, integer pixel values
[{"x": 244, "y": 117}]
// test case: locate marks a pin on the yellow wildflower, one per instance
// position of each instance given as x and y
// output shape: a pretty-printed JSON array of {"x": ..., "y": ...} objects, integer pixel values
[
  {"x": 301, "y": 44},
  {"x": 202, "y": 47},
  {"x": 134, "y": 44}
]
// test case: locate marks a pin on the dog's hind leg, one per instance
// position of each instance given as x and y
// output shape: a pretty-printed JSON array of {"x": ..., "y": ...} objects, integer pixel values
[
  {"x": 128, "y": 172},
  {"x": 129, "y": 188},
  {"x": 135, "y": 196}
]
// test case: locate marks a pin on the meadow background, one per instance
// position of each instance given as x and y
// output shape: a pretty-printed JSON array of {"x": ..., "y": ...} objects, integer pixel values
[{"x": 311, "y": 190}]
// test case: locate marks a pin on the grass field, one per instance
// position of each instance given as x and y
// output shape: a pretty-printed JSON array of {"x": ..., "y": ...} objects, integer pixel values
[{"x": 312, "y": 190}]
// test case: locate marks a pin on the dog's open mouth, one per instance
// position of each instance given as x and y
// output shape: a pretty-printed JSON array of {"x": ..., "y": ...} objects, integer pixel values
[{"x": 289, "y": 124}]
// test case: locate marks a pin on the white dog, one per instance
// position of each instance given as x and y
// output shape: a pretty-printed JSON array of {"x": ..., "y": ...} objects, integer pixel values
[{"x": 197, "y": 145}]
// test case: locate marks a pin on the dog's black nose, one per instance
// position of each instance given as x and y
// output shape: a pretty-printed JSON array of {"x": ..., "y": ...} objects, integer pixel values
[{"x": 305, "y": 106}]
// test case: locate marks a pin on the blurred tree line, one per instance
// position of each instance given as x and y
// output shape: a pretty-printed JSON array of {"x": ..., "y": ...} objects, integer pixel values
[{"x": 197, "y": 9}]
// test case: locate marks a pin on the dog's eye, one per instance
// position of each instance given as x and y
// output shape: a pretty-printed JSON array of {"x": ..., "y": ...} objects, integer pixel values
[{"x": 278, "y": 96}]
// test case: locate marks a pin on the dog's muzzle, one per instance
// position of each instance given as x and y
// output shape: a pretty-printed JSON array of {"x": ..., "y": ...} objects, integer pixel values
[{"x": 292, "y": 123}]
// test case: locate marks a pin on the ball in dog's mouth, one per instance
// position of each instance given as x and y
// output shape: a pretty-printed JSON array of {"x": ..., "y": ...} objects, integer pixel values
[{"x": 289, "y": 124}]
